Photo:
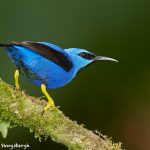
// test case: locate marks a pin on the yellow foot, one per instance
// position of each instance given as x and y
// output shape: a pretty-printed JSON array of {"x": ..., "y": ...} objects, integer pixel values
[
  {"x": 16, "y": 76},
  {"x": 50, "y": 103}
]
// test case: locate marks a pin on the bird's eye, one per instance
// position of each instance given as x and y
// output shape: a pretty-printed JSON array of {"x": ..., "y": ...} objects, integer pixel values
[{"x": 87, "y": 55}]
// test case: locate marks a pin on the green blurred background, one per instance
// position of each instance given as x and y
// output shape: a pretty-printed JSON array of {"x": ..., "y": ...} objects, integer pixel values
[{"x": 112, "y": 98}]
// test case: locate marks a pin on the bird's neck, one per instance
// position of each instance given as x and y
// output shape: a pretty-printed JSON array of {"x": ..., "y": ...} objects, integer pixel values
[{"x": 79, "y": 64}]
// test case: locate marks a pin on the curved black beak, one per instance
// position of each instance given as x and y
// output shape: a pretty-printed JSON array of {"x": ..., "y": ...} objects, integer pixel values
[{"x": 99, "y": 58}]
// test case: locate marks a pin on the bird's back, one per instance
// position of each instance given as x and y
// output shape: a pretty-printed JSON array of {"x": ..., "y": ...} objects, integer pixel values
[{"x": 39, "y": 69}]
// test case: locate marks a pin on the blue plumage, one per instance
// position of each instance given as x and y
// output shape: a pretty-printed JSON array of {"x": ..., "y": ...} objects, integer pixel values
[
  {"x": 47, "y": 65},
  {"x": 39, "y": 69}
]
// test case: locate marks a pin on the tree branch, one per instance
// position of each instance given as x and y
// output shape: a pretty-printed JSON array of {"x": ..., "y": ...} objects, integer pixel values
[{"x": 26, "y": 111}]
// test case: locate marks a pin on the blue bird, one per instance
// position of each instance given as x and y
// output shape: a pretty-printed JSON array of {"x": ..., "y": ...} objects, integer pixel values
[{"x": 48, "y": 65}]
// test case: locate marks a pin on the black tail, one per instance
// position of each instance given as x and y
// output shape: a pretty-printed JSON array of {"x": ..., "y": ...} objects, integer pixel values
[{"x": 6, "y": 45}]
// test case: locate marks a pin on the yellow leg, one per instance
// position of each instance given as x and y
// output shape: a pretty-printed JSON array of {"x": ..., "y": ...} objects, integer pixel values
[
  {"x": 50, "y": 100},
  {"x": 16, "y": 76}
]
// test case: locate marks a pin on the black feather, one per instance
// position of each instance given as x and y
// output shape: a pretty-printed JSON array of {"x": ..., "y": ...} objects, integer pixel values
[
  {"x": 86, "y": 55},
  {"x": 6, "y": 45},
  {"x": 48, "y": 52}
]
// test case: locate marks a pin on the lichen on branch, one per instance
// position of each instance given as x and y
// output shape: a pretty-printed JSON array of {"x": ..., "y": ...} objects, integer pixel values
[{"x": 24, "y": 110}]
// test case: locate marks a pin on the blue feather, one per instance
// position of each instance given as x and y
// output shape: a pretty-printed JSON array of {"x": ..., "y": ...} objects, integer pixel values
[{"x": 41, "y": 70}]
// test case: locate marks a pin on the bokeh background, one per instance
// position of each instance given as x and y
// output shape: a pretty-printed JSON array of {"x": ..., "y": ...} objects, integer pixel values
[{"x": 113, "y": 98}]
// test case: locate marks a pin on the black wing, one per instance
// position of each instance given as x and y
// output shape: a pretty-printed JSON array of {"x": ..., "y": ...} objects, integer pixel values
[{"x": 51, "y": 54}]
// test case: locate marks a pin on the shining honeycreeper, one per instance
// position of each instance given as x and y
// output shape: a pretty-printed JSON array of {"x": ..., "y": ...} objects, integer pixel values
[{"x": 47, "y": 65}]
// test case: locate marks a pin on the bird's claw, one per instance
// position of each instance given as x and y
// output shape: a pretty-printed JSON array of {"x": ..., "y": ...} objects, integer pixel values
[
  {"x": 48, "y": 106},
  {"x": 17, "y": 87},
  {"x": 50, "y": 103}
]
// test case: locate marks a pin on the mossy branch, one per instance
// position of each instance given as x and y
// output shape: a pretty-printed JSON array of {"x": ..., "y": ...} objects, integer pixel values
[{"x": 24, "y": 110}]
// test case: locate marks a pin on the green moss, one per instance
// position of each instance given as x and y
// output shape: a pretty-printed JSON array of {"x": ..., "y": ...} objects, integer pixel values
[{"x": 26, "y": 111}]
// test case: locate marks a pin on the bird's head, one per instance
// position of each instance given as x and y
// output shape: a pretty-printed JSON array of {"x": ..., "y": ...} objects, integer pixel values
[{"x": 82, "y": 58}]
